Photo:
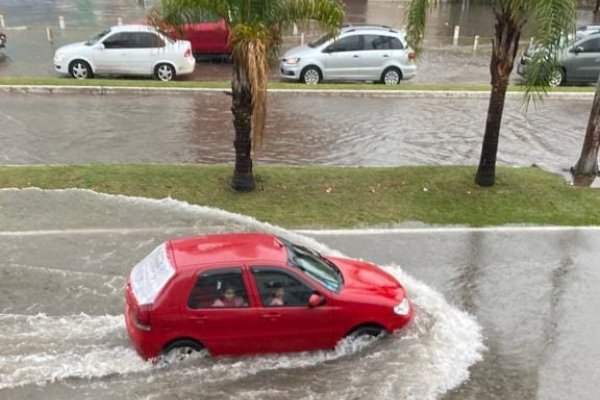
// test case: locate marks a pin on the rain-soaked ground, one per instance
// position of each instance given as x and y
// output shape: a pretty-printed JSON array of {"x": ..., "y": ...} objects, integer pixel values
[{"x": 501, "y": 313}]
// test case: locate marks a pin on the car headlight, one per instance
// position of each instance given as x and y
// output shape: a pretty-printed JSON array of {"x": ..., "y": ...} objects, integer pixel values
[
  {"x": 402, "y": 308},
  {"x": 59, "y": 57},
  {"x": 293, "y": 60}
]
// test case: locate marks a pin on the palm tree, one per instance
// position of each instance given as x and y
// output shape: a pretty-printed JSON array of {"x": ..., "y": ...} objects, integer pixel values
[
  {"x": 255, "y": 28},
  {"x": 550, "y": 19}
]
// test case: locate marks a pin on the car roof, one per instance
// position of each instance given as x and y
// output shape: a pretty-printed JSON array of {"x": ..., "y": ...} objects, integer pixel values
[
  {"x": 132, "y": 27},
  {"x": 232, "y": 247},
  {"x": 369, "y": 28}
]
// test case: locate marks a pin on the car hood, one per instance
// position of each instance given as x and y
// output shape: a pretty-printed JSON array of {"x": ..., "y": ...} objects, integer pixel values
[
  {"x": 363, "y": 276},
  {"x": 68, "y": 48},
  {"x": 298, "y": 51}
]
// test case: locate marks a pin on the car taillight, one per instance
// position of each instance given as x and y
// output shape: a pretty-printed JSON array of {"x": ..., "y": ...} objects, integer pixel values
[
  {"x": 411, "y": 56},
  {"x": 188, "y": 53},
  {"x": 142, "y": 317}
]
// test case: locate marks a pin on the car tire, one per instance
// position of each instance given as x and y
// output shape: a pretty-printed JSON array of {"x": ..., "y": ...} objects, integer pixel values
[
  {"x": 181, "y": 349},
  {"x": 164, "y": 72},
  {"x": 80, "y": 69},
  {"x": 391, "y": 76},
  {"x": 557, "y": 79},
  {"x": 311, "y": 75},
  {"x": 366, "y": 331}
]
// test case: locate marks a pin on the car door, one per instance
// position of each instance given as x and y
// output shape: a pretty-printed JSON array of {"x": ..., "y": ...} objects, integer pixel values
[
  {"x": 223, "y": 326},
  {"x": 145, "y": 48},
  {"x": 583, "y": 60},
  {"x": 343, "y": 58},
  {"x": 288, "y": 323},
  {"x": 112, "y": 57}
]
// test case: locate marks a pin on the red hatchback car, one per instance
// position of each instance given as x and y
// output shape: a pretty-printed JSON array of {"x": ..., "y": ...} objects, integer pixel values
[{"x": 247, "y": 293}]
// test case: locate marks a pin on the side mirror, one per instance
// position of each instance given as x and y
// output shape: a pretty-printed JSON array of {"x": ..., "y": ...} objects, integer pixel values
[
  {"x": 316, "y": 300},
  {"x": 577, "y": 49},
  {"x": 100, "y": 46},
  {"x": 328, "y": 50}
]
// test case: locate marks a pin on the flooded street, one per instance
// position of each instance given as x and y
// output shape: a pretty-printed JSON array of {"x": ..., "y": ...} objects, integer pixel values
[{"x": 66, "y": 253}]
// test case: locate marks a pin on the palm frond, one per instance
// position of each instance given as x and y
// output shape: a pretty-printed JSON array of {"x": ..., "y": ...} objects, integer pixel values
[
  {"x": 329, "y": 14},
  {"x": 553, "y": 22}
]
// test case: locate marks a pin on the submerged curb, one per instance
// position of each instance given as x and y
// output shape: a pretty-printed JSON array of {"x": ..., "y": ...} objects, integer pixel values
[{"x": 404, "y": 93}]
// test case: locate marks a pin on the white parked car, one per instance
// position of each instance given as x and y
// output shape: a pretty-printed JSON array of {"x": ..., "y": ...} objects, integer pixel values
[
  {"x": 369, "y": 53},
  {"x": 127, "y": 50}
]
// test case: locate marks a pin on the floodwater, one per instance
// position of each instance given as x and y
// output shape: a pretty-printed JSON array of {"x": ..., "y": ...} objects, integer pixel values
[
  {"x": 345, "y": 130},
  {"x": 501, "y": 313},
  {"x": 505, "y": 313}
]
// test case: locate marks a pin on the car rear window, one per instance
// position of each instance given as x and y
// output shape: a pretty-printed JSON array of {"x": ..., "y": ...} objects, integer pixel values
[{"x": 150, "y": 275}]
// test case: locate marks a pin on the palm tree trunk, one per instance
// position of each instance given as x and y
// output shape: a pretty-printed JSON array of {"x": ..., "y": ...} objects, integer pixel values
[
  {"x": 241, "y": 108},
  {"x": 596, "y": 11},
  {"x": 504, "y": 51},
  {"x": 586, "y": 169}
]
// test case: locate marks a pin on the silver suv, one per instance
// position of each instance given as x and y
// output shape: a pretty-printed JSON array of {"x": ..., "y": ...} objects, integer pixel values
[
  {"x": 578, "y": 59},
  {"x": 368, "y": 53}
]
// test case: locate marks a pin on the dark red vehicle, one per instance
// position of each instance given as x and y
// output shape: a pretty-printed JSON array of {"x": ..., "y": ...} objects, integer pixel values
[
  {"x": 255, "y": 293},
  {"x": 209, "y": 35}
]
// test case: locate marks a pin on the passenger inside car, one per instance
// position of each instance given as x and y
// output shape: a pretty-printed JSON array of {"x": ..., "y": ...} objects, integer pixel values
[
  {"x": 278, "y": 296},
  {"x": 229, "y": 298}
]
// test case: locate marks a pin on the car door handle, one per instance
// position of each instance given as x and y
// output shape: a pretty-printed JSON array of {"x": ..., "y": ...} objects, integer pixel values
[
  {"x": 385, "y": 55},
  {"x": 355, "y": 56},
  {"x": 199, "y": 318}
]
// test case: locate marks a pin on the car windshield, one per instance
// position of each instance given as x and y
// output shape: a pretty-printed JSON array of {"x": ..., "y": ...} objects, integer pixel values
[
  {"x": 96, "y": 38},
  {"x": 314, "y": 265},
  {"x": 320, "y": 40}
]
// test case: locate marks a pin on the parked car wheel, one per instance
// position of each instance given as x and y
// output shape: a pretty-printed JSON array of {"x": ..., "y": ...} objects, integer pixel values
[
  {"x": 311, "y": 75},
  {"x": 164, "y": 72},
  {"x": 557, "y": 78},
  {"x": 80, "y": 69},
  {"x": 181, "y": 349},
  {"x": 391, "y": 76}
]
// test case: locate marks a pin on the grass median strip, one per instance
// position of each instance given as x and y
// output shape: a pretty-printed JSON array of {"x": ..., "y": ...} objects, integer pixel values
[{"x": 338, "y": 197}]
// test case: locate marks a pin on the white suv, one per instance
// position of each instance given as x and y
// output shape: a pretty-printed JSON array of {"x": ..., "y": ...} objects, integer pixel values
[{"x": 368, "y": 53}]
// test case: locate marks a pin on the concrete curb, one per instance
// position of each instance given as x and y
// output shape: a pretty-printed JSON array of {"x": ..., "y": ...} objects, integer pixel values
[{"x": 405, "y": 93}]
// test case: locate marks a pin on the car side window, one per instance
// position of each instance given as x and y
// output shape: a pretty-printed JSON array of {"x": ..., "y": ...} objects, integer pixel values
[
  {"x": 348, "y": 43},
  {"x": 278, "y": 288},
  {"x": 223, "y": 288},
  {"x": 117, "y": 41},
  {"x": 382, "y": 42},
  {"x": 591, "y": 46},
  {"x": 146, "y": 40}
]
